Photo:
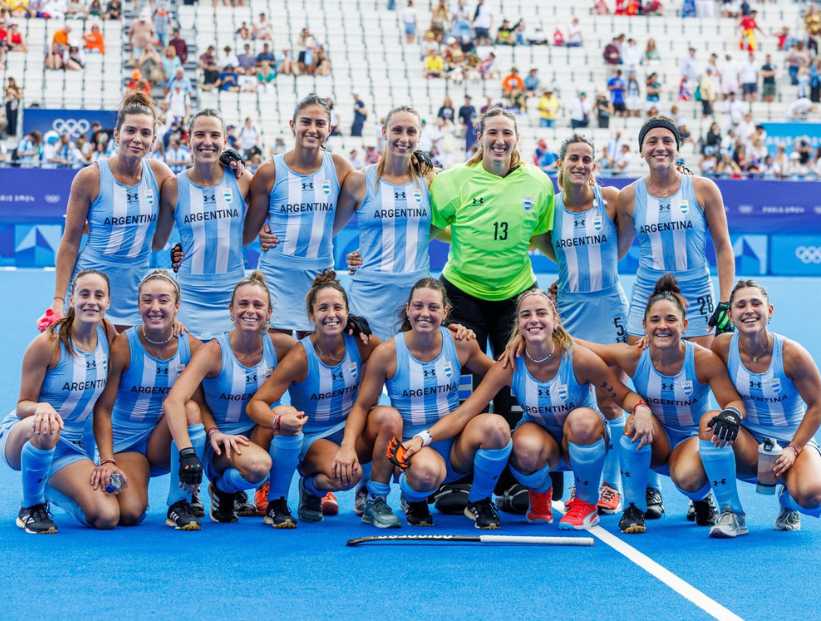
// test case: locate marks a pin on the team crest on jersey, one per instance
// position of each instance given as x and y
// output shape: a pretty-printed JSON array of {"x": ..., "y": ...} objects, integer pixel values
[
  {"x": 149, "y": 196},
  {"x": 448, "y": 369},
  {"x": 228, "y": 195},
  {"x": 597, "y": 223},
  {"x": 354, "y": 369},
  {"x": 326, "y": 187},
  {"x": 527, "y": 203},
  {"x": 562, "y": 392},
  {"x": 775, "y": 385},
  {"x": 687, "y": 387},
  {"x": 684, "y": 207},
  {"x": 417, "y": 196}
]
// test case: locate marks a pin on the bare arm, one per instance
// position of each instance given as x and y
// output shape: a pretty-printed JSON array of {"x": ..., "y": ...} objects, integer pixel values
[
  {"x": 709, "y": 196},
  {"x": 711, "y": 370},
  {"x": 293, "y": 368},
  {"x": 376, "y": 372},
  {"x": 36, "y": 362},
  {"x": 620, "y": 355},
  {"x": 165, "y": 221},
  {"x": 117, "y": 365},
  {"x": 591, "y": 369},
  {"x": 260, "y": 189},
  {"x": 543, "y": 244},
  {"x": 624, "y": 218},
  {"x": 351, "y": 195},
  {"x": 800, "y": 367}
]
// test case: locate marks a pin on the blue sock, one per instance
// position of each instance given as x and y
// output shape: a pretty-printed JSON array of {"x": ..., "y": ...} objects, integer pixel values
[
  {"x": 231, "y": 481},
  {"x": 69, "y": 505},
  {"x": 611, "y": 473},
  {"x": 35, "y": 464},
  {"x": 719, "y": 464},
  {"x": 699, "y": 494},
  {"x": 487, "y": 466},
  {"x": 635, "y": 467},
  {"x": 538, "y": 481},
  {"x": 309, "y": 483},
  {"x": 366, "y": 474},
  {"x": 786, "y": 500},
  {"x": 284, "y": 453},
  {"x": 654, "y": 480},
  {"x": 196, "y": 433},
  {"x": 410, "y": 494},
  {"x": 587, "y": 461},
  {"x": 378, "y": 490}
]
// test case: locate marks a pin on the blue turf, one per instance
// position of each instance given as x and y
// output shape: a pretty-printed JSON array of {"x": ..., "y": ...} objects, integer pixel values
[{"x": 247, "y": 570}]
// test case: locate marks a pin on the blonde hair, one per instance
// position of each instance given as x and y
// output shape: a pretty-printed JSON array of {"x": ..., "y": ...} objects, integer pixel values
[
  {"x": 161, "y": 275},
  {"x": 561, "y": 337},
  {"x": 254, "y": 278},
  {"x": 515, "y": 157},
  {"x": 417, "y": 167}
]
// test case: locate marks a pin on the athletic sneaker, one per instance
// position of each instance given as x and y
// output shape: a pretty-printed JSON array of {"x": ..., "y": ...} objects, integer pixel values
[
  {"x": 579, "y": 515},
  {"x": 540, "y": 506},
  {"x": 243, "y": 507},
  {"x": 705, "y": 511},
  {"x": 222, "y": 505},
  {"x": 261, "y": 498},
  {"x": 609, "y": 500},
  {"x": 310, "y": 506},
  {"x": 360, "y": 498},
  {"x": 483, "y": 513},
  {"x": 515, "y": 500},
  {"x": 729, "y": 526},
  {"x": 330, "y": 505},
  {"x": 451, "y": 498},
  {"x": 181, "y": 516},
  {"x": 197, "y": 508},
  {"x": 632, "y": 521},
  {"x": 278, "y": 515},
  {"x": 417, "y": 513},
  {"x": 655, "y": 504},
  {"x": 379, "y": 513},
  {"x": 36, "y": 520},
  {"x": 788, "y": 520}
]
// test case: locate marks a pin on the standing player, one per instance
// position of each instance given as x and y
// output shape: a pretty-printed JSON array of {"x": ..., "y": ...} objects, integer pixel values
[
  {"x": 322, "y": 376},
  {"x": 129, "y": 426},
  {"x": 494, "y": 204},
  {"x": 298, "y": 193},
  {"x": 207, "y": 203},
  {"x": 46, "y": 438},
  {"x": 230, "y": 368},
  {"x": 119, "y": 197},
  {"x": 773, "y": 375},
  {"x": 421, "y": 367},
  {"x": 674, "y": 376}
]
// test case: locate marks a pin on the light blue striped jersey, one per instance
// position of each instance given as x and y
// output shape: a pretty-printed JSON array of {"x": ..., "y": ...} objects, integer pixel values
[
  {"x": 74, "y": 385},
  {"x": 327, "y": 393},
  {"x": 122, "y": 219},
  {"x": 229, "y": 392},
  {"x": 210, "y": 220},
  {"x": 678, "y": 401},
  {"x": 146, "y": 382},
  {"x": 672, "y": 232},
  {"x": 301, "y": 210},
  {"x": 394, "y": 226},
  {"x": 549, "y": 402},
  {"x": 424, "y": 392},
  {"x": 774, "y": 407},
  {"x": 586, "y": 245}
]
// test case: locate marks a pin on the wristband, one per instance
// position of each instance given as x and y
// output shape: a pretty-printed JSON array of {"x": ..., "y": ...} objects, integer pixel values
[
  {"x": 640, "y": 403},
  {"x": 210, "y": 430},
  {"x": 425, "y": 437},
  {"x": 108, "y": 460},
  {"x": 795, "y": 449}
]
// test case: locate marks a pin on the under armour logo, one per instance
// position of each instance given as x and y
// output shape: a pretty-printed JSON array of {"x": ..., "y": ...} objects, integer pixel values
[
  {"x": 664, "y": 206},
  {"x": 626, "y": 474},
  {"x": 478, "y": 200},
  {"x": 668, "y": 386},
  {"x": 209, "y": 199},
  {"x": 337, "y": 375},
  {"x": 755, "y": 384},
  {"x": 307, "y": 185},
  {"x": 132, "y": 196},
  {"x": 719, "y": 482},
  {"x": 578, "y": 221},
  {"x": 162, "y": 371},
  {"x": 91, "y": 364},
  {"x": 429, "y": 372},
  {"x": 250, "y": 377},
  {"x": 544, "y": 392},
  {"x": 399, "y": 196}
]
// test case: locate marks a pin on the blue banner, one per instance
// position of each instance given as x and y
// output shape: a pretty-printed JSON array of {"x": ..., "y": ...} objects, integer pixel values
[
  {"x": 34, "y": 194},
  {"x": 796, "y": 255},
  {"x": 785, "y": 135},
  {"x": 61, "y": 120}
]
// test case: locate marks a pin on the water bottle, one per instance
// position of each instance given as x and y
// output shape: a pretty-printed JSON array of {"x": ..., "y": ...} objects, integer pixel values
[
  {"x": 115, "y": 484},
  {"x": 768, "y": 452}
]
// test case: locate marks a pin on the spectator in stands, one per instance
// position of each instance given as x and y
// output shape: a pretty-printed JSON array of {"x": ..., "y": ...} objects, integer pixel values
[
  {"x": 467, "y": 117},
  {"x": 439, "y": 20},
  {"x": 612, "y": 51},
  {"x": 447, "y": 111},
  {"x": 632, "y": 55},
  {"x": 652, "y": 88},
  {"x": 150, "y": 64},
  {"x": 227, "y": 58},
  {"x": 179, "y": 79},
  {"x": 544, "y": 157},
  {"x": 749, "y": 26},
  {"x": 651, "y": 7},
  {"x": 74, "y": 8},
  {"x": 322, "y": 63},
  {"x": 504, "y": 35},
  {"x": 114, "y": 10},
  {"x": 30, "y": 149},
  {"x": 360, "y": 115},
  {"x": 178, "y": 103},
  {"x": 285, "y": 65},
  {"x": 558, "y": 37},
  {"x": 454, "y": 60},
  {"x": 651, "y": 53},
  {"x": 485, "y": 67},
  {"x": 246, "y": 61},
  {"x": 74, "y": 59},
  {"x": 57, "y": 152},
  {"x": 707, "y": 92},
  {"x": 263, "y": 30},
  {"x": 603, "y": 110},
  {"x": 535, "y": 35},
  {"x": 93, "y": 41},
  {"x": 162, "y": 21},
  {"x": 482, "y": 23},
  {"x": 600, "y": 7},
  {"x": 632, "y": 95},
  {"x": 548, "y": 108},
  {"x": 797, "y": 57},
  {"x": 767, "y": 74},
  {"x": 180, "y": 45},
  {"x": 170, "y": 62},
  {"x": 690, "y": 68},
  {"x": 434, "y": 65},
  {"x": 228, "y": 79},
  {"x": 726, "y": 167},
  {"x": 625, "y": 161},
  {"x": 81, "y": 151},
  {"x": 305, "y": 58},
  {"x": 140, "y": 36},
  {"x": 512, "y": 81},
  {"x": 244, "y": 32},
  {"x": 728, "y": 77},
  {"x": 266, "y": 75},
  {"x": 409, "y": 24},
  {"x": 815, "y": 81},
  {"x": 616, "y": 87},
  {"x": 574, "y": 34},
  {"x": 748, "y": 76},
  {"x": 15, "y": 40},
  {"x": 532, "y": 82},
  {"x": 210, "y": 69},
  {"x": 735, "y": 109},
  {"x": 580, "y": 111},
  {"x": 266, "y": 55},
  {"x": 13, "y": 97},
  {"x": 177, "y": 156},
  {"x": 711, "y": 143},
  {"x": 249, "y": 138}
]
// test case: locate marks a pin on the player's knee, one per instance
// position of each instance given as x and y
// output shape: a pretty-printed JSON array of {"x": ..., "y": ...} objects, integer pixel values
[
  {"x": 495, "y": 431},
  {"x": 103, "y": 515},
  {"x": 584, "y": 426},
  {"x": 809, "y": 498},
  {"x": 192, "y": 413},
  {"x": 388, "y": 421},
  {"x": 527, "y": 453},
  {"x": 425, "y": 475},
  {"x": 688, "y": 479},
  {"x": 258, "y": 468},
  {"x": 45, "y": 441},
  {"x": 131, "y": 516}
]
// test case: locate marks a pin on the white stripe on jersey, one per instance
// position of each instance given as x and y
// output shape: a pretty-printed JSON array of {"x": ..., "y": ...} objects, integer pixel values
[
  {"x": 571, "y": 258},
  {"x": 223, "y": 240},
  {"x": 387, "y": 198},
  {"x": 411, "y": 235},
  {"x": 684, "y": 414},
  {"x": 144, "y": 209},
  {"x": 680, "y": 235},
  {"x": 197, "y": 199},
  {"x": 318, "y": 217},
  {"x": 78, "y": 374},
  {"x": 149, "y": 378},
  {"x": 416, "y": 381},
  {"x": 119, "y": 209},
  {"x": 653, "y": 212},
  {"x": 100, "y": 372},
  {"x": 326, "y": 385},
  {"x": 292, "y": 224},
  {"x": 348, "y": 375},
  {"x": 233, "y": 412},
  {"x": 594, "y": 252},
  {"x": 442, "y": 406}
]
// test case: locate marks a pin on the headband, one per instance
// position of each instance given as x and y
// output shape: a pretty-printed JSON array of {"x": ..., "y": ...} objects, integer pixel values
[{"x": 659, "y": 122}]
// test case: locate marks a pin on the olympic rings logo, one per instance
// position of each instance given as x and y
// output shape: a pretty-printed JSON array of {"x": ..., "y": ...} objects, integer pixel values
[
  {"x": 73, "y": 127},
  {"x": 808, "y": 254}
]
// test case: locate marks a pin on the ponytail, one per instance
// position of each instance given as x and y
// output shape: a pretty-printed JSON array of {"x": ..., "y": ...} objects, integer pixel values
[
  {"x": 136, "y": 103},
  {"x": 324, "y": 280},
  {"x": 62, "y": 328},
  {"x": 667, "y": 289}
]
